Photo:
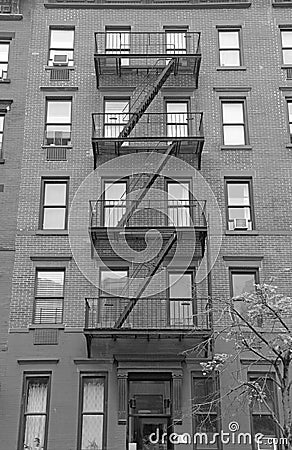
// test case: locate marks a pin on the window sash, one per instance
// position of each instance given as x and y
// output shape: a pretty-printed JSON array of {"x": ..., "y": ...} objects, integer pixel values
[
  {"x": 261, "y": 410},
  {"x": 35, "y": 412},
  {"x": 49, "y": 298},
  {"x": 58, "y": 128},
  {"x": 92, "y": 419},
  {"x": 57, "y": 47},
  {"x": 54, "y": 214},
  {"x": 237, "y": 209},
  {"x": 242, "y": 273},
  {"x": 210, "y": 396},
  {"x": 4, "y": 59},
  {"x": 176, "y": 41},
  {"x": 286, "y": 47},
  {"x": 234, "y": 128},
  {"x": 226, "y": 51}
]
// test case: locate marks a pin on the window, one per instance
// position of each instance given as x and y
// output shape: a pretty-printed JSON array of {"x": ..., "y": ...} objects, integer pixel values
[
  {"x": 35, "y": 412},
  {"x": 176, "y": 41},
  {"x": 181, "y": 312},
  {"x": 178, "y": 204},
  {"x": 233, "y": 121},
  {"x": 49, "y": 296},
  {"x": 61, "y": 52},
  {"x": 58, "y": 122},
  {"x": 205, "y": 405},
  {"x": 92, "y": 412},
  {"x": 118, "y": 42},
  {"x": 261, "y": 411},
  {"x": 2, "y": 116},
  {"x": 229, "y": 48},
  {"x": 114, "y": 204},
  {"x": 243, "y": 281},
  {"x": 177, "y": 119},
  {"x": 116, "y": 117},
  {"x": 4, "y": 53},
  {"x": 239, "y": 204},
  {"x": 289, "y": 105},
  {"x": 286, "y": 37},
  {"x": 54, "y": 204}
]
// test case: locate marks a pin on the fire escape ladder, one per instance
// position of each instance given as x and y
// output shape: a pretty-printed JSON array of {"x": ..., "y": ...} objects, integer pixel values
[
  {"x": 145, "y": 96},
  {"x": 154, "y": 267},
  {"x": 171, "y": 149}
]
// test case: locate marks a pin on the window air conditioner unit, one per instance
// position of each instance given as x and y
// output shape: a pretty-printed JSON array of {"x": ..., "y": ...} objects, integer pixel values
[
  {"x": 60, "y": 60},
  {"x": 240, "y": 224}
]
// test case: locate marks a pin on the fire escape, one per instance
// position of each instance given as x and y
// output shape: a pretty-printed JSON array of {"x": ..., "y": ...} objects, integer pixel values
[{"x": 134, "y": 129}]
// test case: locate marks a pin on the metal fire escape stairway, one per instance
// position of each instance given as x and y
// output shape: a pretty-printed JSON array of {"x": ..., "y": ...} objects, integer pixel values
[
  {"x": 143, "y": 99},
  {"x": 145, "y": 94}
]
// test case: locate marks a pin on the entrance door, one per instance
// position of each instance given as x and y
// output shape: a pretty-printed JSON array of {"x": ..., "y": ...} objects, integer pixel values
[{"x": 149, "y": 414}]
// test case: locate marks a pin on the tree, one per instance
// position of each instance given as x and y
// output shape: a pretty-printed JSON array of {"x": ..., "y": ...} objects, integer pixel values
[{"x": 261, "y": 327}]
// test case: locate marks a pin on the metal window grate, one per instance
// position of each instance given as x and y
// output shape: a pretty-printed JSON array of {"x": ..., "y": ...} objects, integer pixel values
[
  {"x": 56, "y": 154},
  {"x": 45, "y": 337},
  {"x": 59, "y": 74}
]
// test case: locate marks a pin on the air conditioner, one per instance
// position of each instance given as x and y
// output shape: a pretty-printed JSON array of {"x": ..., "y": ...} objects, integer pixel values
[
  {"x": 240, "y": 224},
  {"x": 60, "y": 60}
]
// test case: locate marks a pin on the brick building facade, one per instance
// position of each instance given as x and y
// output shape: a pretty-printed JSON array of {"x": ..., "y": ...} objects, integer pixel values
[{"x": 190, "y": 134}]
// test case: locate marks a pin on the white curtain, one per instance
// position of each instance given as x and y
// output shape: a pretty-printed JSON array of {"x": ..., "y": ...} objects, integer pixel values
[{"x": 35, "y": 418}]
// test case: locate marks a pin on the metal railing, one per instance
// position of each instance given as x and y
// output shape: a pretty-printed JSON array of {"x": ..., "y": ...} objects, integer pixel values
[
  {"x": 159, "y": 213},
  {"x": 148, "y": 313},
  {"x": 149, "y": 43},
  {"x": 181, "y": 126},
  {"x": 9, "y": 7}
]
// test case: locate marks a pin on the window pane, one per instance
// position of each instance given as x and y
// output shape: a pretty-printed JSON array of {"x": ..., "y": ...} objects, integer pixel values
[
  {"x": 228, "y": 39},
  {"x": 62, "y": 38},
  {"x": 263, "y": 424},
  {"x": 54, "y": 218},
  {"x": 178, "y": 191},
  {"x": 55, "y": 194},
  {"x": 238, "y": 194},
  {"x": 4, "y": 51},
  {"x": 233, "y": 135},
  {"x": 92, "y": 431},
  {"x": 93, "y": 395},
  {"x": 229, "y": 58},
  {"x": 180, "y": 285},
  {"x": 59, "y": 112},
  {"x": 1, "y": 124},
  {"x": 176, "y": 107},
  {"x": 239, "y": 213},
  {"x": 232, "y": 113},
  {"x": 176, "y": 41},
  {"x": 287, "y": 56},
  {"x": 113, "y": 282},
  {"x": 36, "y": 396},
  {"x": 115, "y": 191},
  {"x": 243, "y": 282},
  {"x": 117, "y": 106},
  {"x": 286, "y": 38},
  {"x": 34, "y": 431},
  {"x": 50, "y": 283},
  {"x": 206, "y": 423}
]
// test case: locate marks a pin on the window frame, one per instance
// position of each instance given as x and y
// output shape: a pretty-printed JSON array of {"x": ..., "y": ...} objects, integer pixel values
[
  {"x": 122, "y": 124},
  {"x": 289, "y": 122},
  {"x": 61, "y": 28},
  {"x": 198, "y": 375},
  {"x": 182, "y": 100},
  {"x": 283, "y": 30},
  {"x": 258, "y": 374},
  {"x": 8, "y": 43},
  {"x": 103, "y": 199},
  {"x": 239, "y": 180},
  {"x": 244, "y": 270},
  {"x": 36, "y": 297},
  {"x": 2, "y": 135},
  {"x": 27, "y": 376},
  {"x": 235, "y": 100},
  {"x": 84, "y": 375},
  {"x": 61, "y": 100},
  {"x": 192, "y": 299},
  {"x": 44, "y": 182},
  {"x": 239, "y": 49}
]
